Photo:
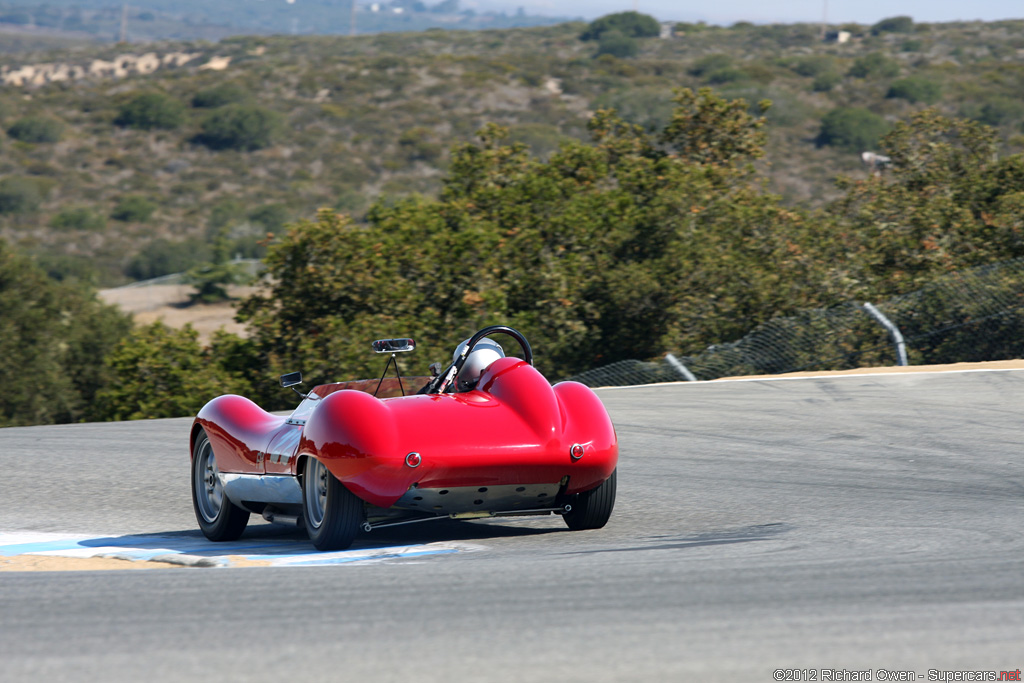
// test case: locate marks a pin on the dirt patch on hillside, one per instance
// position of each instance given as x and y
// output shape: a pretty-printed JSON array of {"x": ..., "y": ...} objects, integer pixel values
[{"x": 170, "y": 304}]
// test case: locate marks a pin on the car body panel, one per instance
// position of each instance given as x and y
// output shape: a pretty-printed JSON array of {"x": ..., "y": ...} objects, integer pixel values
[{"x": 513, "y": 431}]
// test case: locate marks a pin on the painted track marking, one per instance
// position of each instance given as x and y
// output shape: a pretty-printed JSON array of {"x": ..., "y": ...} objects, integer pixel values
[{"x": 193, "y": 551}]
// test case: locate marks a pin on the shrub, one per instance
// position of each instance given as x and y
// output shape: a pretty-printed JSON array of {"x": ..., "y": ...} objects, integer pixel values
[
  {"x": 915, "y": 89},
  {"x": 729, "y": 74},
  {"x": 270, "y": 216},
  {"x": 248, "y": 246},
  {"x": 36, "y": 129},
  {"x": 148, "y": 111},
  {"x": 55, "y": 335},
  {"x": 239, "y": 126},
  {"x": 999, "y": 110},
  {"x": 852, "y": 128},
  {"x": 901, "y": 24},
  {"x": 224, "y": 214},
  {"x": 813, "y": 65},
  {"x": 617, "y": 45},
  {"x": 826, "y": 81},
  {"x": 419, "y": 144},
  {"x": 631, "y": 24},
  {"x": 219, "y": 95},
  {"x": 706, "y": 65},
  {"x": 19, "y": 195},
  {"x": 133, "y": 209},
  {"x": 649, "y": 107},
  {"x": 70, "y": 267},
  {"x": 80, "y": 218},
  {"x": 542, "y": 139},
  {"x": 874, "y": 64},
  {"x": 157, "y": 372}
]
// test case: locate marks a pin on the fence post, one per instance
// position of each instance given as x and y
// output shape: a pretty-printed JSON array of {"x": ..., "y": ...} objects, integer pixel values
[
  {"x": 680, "y": 368},
  {"x": 897, "y": 337}
]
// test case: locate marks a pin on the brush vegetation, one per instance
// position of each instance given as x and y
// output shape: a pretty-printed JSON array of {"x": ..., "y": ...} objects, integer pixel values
[{"x": 430, "y": 184}]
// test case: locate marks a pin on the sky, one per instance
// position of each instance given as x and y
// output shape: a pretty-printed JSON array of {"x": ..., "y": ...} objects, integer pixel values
[{"x": 726, "y": 12}]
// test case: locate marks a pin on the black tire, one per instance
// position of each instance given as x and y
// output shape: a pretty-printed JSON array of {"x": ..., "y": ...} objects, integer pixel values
[
  {"x": 591, "y": 509},
  {"x": 218, "y": 517},
  {"x": 333, "y": 515}
]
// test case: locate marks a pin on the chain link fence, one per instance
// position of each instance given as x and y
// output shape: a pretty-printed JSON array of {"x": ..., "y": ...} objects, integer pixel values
[{"x": 971, "y": 315}]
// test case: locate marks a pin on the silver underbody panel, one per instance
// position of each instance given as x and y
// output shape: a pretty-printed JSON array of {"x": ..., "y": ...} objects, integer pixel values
[
  {"x": 463, "y": 501},
  {"x": 479, "y": 498},
  {"x": 267, "y": 488}
]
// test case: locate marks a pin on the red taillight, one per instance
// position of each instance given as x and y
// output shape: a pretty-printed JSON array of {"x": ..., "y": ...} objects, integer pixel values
[
  {"x": 576, "y": 452},
  {"x": 413, "y": 460}
]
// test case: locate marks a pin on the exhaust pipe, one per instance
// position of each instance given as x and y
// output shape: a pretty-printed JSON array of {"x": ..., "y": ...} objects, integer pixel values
[{"x": 277, "y": 517}]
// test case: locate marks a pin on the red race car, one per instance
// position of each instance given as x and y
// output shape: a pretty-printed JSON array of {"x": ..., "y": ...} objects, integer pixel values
[{"x": 487, "y": 437}]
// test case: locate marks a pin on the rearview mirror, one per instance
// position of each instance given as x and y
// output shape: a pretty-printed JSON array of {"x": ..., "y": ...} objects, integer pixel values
[
  {"x": 394, "y": 345},
  {"x": 291, "y": 379}
]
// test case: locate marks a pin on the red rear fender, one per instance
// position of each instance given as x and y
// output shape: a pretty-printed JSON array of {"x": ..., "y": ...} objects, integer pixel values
[
  {"x": 239, "y": 431},
  {"x": 514, "y": 429},
  {"x": 587, "y": 423},
  {"x": 352, "y": 432}
]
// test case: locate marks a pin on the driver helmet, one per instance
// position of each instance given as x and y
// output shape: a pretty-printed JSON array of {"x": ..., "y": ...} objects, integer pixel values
[{"x": 484, "y": 353}]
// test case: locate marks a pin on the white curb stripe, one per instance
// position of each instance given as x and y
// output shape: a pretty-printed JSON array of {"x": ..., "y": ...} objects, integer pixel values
[{"x": 191, "y": 551}]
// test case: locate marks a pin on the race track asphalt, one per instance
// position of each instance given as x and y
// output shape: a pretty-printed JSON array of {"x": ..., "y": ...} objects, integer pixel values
[{"x": 819, "y": 525}]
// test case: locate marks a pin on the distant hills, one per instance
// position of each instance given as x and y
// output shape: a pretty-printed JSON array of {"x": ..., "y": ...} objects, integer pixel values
[
  {"x": 147, "y": 20},
  {"x": 129, "y": 161}
]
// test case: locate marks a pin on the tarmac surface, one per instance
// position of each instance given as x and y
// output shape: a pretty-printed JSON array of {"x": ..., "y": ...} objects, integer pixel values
[{"x": 817, "y": 526}]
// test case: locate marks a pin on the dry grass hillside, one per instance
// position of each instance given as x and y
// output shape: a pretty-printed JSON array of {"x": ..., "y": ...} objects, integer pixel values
[
  {"x": 170, "y": 305},
  {"x": 120, "y": 174}
]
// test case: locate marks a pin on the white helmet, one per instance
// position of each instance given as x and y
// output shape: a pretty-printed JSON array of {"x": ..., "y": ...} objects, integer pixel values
[{"x": 484, "y": 353}]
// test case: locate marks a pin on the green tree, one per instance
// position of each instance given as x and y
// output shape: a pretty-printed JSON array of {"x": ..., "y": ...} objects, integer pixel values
[
  {"x": 632, "y": 24},
  {"x": 211, "y": 281},
  {"x": 900, "y": 24},
  {"x": 948, "y": 202},
  {"x": 708, "y": 129},
  {"x": 620, "y": 248},
  {"x": 617, "y": 45},
  {"x": 53, "y": 336},
  {"x": 161, "y": 372}
]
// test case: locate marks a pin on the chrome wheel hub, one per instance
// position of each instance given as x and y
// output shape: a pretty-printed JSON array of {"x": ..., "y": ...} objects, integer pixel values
[
  {"x": 316, "y": 493},
  {"x": 209, "y": 492}
]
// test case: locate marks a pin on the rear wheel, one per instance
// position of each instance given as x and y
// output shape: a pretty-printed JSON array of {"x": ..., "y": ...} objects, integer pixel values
[
  {"x": 218, "y": 517},
  {"x": 591, "y": 509},
  {"x": 332, "y": 513}
]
